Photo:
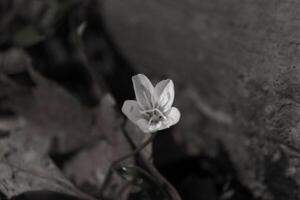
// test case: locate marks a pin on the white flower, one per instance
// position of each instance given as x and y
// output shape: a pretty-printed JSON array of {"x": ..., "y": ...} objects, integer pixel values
[{"x": 152, "y": 110}]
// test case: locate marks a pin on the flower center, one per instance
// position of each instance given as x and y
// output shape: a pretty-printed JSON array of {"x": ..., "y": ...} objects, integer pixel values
[{"x": 154, "y": 116}]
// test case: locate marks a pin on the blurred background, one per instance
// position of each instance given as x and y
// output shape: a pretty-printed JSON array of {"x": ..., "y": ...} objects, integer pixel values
[{"x": 65, "y": 71}]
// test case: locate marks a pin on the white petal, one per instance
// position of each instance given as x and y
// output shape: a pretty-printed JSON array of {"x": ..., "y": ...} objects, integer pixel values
[
  {"x": 173, "y": 116},
  {"x": 164, "y": 126},
  {"x": 144, "y": 126},
  {"x": 144, "y": 91},
  {"x": 131, "y": 109},
  {"x": 165, "y": 94}
]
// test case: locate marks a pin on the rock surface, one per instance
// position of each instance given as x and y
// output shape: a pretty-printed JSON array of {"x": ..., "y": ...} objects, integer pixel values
[{"x": 236, "y": 67}]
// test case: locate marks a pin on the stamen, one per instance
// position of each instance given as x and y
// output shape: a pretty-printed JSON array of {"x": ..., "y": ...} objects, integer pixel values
[
  {"x": 146, "y": 111},
  {"x": 150, "y": 121},
  {"x": 161, "y": 114}
]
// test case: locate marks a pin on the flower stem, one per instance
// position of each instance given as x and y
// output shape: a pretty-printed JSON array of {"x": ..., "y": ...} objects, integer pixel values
[
  {"x": 137, "y": 150},
  {"x": 115, "y": 164}
]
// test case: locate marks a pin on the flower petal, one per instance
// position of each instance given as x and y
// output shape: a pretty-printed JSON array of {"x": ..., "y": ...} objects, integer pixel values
[
  {"x": 173, "y": 117},
  {"x": 131, "y": 109},
  {"x": 144, "y": 91},
  {"x": 165, "y": 94},
  {"x": 144, "y": 126}
]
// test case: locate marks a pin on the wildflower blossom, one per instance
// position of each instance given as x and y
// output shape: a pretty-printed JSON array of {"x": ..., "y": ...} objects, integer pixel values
[{"x": 152, "y": 110}]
